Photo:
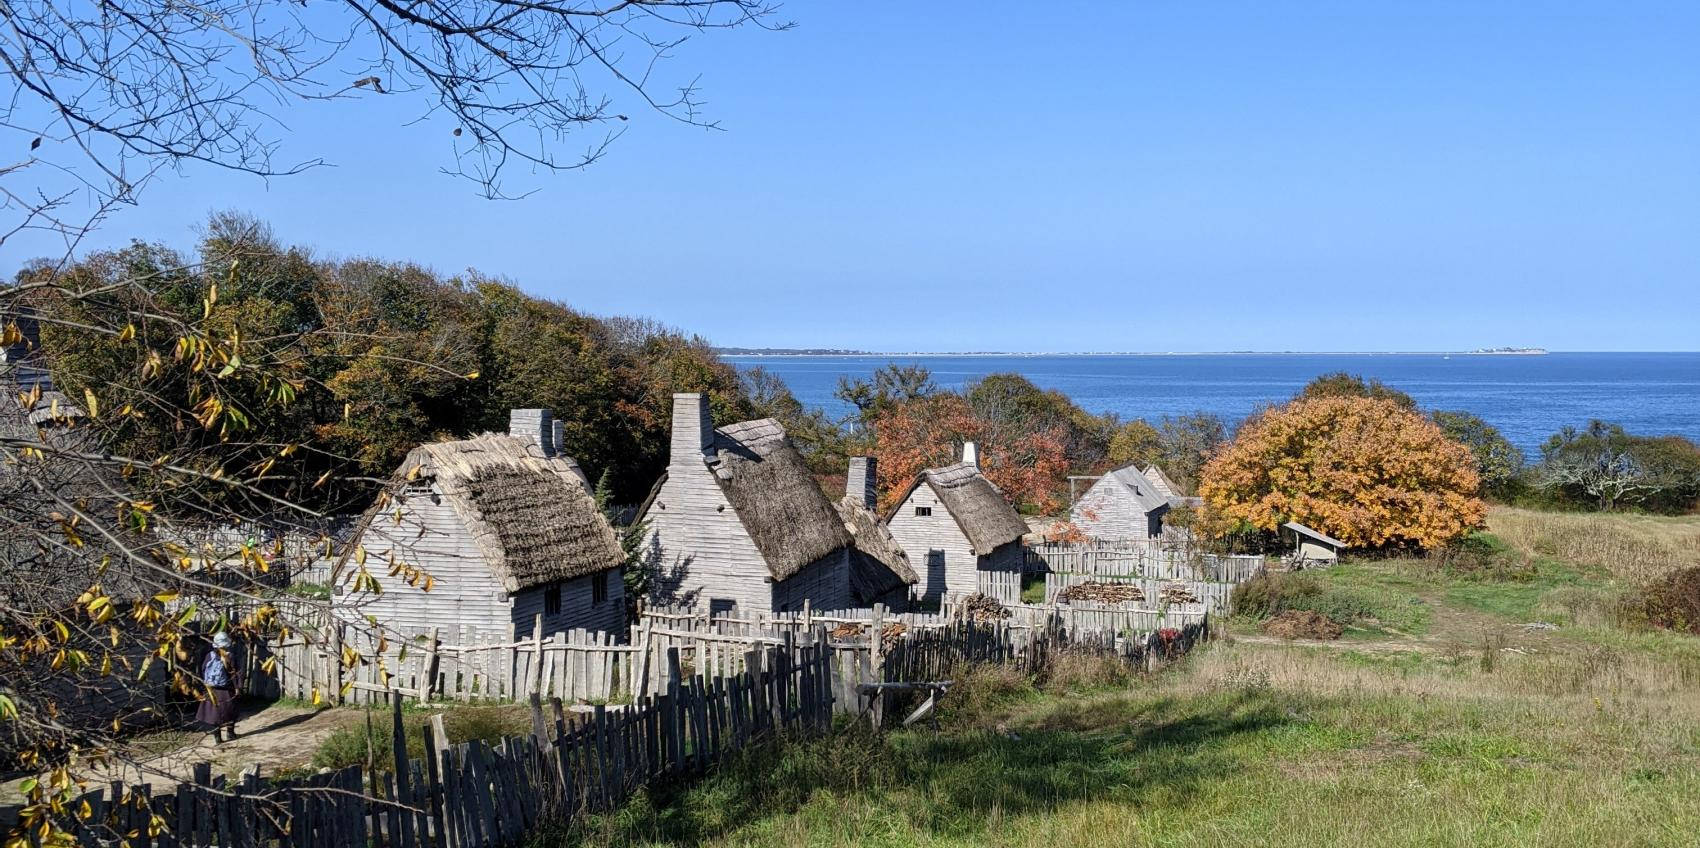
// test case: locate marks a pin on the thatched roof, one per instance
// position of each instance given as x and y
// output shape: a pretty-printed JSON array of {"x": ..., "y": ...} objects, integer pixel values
[
  {"x": 533, "y": 516},
  {"x": 878, "y": 564},
  {"x": 978, "y": 507},
  {"x": 775, "y": 496}
]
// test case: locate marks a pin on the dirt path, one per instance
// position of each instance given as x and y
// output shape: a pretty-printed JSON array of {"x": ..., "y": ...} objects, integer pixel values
[{"x": 274, "y": 738}]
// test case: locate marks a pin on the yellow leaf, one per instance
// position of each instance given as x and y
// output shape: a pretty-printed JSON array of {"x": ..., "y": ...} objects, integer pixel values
[{"x": 93, "y": 404}]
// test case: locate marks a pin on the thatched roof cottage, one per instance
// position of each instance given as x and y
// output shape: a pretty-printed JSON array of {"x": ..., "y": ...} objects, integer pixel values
[
  {"x": 507, "y": 528},
  {"x": 956, "y": 524},
  {"x": 880, "y": 572},
  {"x": 737, "y": 523}
]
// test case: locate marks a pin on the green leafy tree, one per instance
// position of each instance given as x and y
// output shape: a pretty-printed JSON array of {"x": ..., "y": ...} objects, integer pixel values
[
  {"x": 1606, "y": 467},
  {"x": 1498, "y": 462},
  {"x": 1342, "y": 384}
]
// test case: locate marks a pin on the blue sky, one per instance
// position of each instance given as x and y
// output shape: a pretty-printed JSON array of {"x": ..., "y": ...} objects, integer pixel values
[{"x": 1138, "y": 176}]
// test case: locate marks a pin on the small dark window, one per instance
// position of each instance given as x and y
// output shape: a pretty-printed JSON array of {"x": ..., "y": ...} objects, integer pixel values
[
  {"x": 599, "y": 588},
  {"x": 923, "y": 510},
  {"x": 552, "y": 600}
]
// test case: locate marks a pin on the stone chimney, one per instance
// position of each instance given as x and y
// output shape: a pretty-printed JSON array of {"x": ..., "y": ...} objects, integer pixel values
[
  {"x": 693, "y": 429},
  {"x": 536, "y": 426},
  {"x": 971, "y": 454},
  {"x": 863, "y": 481},
  {"x": 559, "y": 437}
]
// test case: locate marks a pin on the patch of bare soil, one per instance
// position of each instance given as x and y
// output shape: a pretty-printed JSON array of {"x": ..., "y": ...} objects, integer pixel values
[
  {"x": 273, "y": 738},
  {"x": 1303, "y": 624}
]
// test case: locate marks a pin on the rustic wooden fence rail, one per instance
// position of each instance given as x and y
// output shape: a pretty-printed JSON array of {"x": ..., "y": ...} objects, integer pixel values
[
  {"x": 475, "y": 794},
  {"x": 481, "y": 795},
  {"x": 1151, "y": 560}
]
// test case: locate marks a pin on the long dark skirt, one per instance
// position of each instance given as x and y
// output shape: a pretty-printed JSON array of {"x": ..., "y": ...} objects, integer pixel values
[{"x": 218, "y": 710}]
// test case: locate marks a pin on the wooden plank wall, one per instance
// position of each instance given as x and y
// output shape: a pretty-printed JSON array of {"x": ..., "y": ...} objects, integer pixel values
[
  {"x": 575, "y": 666},
  {"x": 1142, "y": 559}
]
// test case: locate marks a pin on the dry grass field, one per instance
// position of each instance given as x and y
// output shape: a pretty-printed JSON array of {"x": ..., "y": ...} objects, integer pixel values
[{"x": 1456, "y": 710}]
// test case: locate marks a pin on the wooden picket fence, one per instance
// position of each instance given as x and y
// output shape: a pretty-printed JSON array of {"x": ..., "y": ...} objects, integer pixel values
[
  {"x": 1142, "y": 559},
  {"x": 481, "y": 795},
  {"x": 576, "y": 666},
  {"x": 475, "y": 794}
]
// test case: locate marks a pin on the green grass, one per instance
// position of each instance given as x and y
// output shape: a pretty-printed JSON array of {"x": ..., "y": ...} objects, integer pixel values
[
  {"x": 1202, "y": 760},
  {"x": 1437, "y": 721}
]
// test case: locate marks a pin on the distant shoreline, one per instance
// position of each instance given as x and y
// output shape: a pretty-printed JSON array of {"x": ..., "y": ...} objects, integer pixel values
[{"x": 784, "y": 353}]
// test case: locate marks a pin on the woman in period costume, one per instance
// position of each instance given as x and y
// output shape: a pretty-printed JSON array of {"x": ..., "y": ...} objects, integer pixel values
[{"x": 218, "y": 711}]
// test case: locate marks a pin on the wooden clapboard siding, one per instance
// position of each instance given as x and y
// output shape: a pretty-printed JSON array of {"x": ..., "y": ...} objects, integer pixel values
[
  {"x": 699, "y": 551},
  {"x": 930, "y": 539},
  {"x": 1108, "y": 511},
  {"x": 578, "y": 607},
  {"x": 431, "y": 536},
  {"x": 824, "y": 583},
  {"x": 940, "y": 552}
]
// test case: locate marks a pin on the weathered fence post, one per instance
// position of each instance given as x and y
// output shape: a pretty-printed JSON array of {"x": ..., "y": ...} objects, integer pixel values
[
  {"x": 403, "y": 791},
  {"x": 674, "y": 727},
  {"x": 876, "y": 664},
  {"x": 429, "y": 674},
  {"x": 333, "y": 670}
]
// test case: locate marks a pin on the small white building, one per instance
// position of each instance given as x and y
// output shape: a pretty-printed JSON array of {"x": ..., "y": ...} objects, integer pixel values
[
  {"x": 505, "y": 526},
  {"x": 1126, "y": 505},
  {"x": 954, "y": 523},
  {"x": 1313, "y": 545},
  {"x": 737, "y": 524}
]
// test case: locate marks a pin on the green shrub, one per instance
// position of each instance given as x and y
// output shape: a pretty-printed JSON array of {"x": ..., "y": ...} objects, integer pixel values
[
  {"x": 1482, "y": 554},
  {"x": 1669, "y": 603},
  {"x": 1271, "y": 593},
  {"x": 346, "y": 745}
]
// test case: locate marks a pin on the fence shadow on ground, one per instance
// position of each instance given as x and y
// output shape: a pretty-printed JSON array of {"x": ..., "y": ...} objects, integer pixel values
[{"x": 952, "y": 785}]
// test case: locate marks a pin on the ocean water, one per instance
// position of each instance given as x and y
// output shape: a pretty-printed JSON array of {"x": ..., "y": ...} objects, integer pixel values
[{"x": 1526, "y": 397}]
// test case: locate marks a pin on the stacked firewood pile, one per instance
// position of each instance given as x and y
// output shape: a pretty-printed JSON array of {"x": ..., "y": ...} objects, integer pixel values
[
  {"x": 1176, "y": 593},
  {"x": 1102, "y": 593},
  {"x": 981, "y": 608},
  {"x": 890, "y": 634}
]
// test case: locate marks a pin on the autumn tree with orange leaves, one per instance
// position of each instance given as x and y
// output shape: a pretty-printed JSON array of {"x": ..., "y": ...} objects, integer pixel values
[
  {"x": 1365, "y": 470},
  {"x": 928, "y": 432}
]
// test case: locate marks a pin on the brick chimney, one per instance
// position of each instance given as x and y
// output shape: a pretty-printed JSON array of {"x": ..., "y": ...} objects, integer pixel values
[
  {"x": 536, "y": 426},
  {"x": 693, "y": 429},
  {"x": 971, "y": 454},
  {"x": 863, "y": 480}
]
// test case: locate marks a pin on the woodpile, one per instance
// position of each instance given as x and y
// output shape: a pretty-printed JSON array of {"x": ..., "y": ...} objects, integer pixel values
[
  {"x": 1102, "y": 593},
  {"x": 1176, "y": 593},
  {"x": 890, "y": 635},
  {"x": 981, "y": 608}
]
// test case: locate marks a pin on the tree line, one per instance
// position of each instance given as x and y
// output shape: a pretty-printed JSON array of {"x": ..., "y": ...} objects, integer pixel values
[{"x": 368, "y": 358}]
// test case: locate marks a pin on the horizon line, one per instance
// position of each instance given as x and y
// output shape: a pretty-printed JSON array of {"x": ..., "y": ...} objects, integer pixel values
[{"x": 738, "y": 350}]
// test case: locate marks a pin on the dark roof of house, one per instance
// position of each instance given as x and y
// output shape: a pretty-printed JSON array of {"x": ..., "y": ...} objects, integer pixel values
[
  {"x": 532, "y": 515},
  {"x": 878, "y": 564},
  {"x": 978, "y": 507}
]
